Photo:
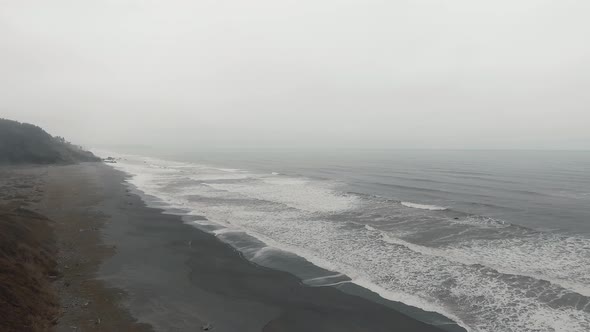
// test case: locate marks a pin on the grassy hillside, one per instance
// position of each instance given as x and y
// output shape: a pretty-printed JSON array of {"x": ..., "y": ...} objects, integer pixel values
[{"x": 23, "y": 143}]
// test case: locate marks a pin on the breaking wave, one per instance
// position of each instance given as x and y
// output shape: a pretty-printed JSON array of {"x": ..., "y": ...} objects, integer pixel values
[{"x": 483, "y": 273}]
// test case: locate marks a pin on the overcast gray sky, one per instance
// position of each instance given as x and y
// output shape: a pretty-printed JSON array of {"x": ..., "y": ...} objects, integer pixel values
[{"x": 268, "y": 73}]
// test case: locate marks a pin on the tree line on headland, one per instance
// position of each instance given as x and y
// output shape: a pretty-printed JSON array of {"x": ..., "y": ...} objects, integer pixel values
[{"x": 23, "y": 143}]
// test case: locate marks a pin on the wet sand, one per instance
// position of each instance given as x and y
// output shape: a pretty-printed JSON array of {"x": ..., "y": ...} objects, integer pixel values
[{"x": 121, "y": 263}]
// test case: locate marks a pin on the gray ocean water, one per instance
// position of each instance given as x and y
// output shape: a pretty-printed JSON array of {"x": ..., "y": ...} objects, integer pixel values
[{"x": 493, "y": 240}]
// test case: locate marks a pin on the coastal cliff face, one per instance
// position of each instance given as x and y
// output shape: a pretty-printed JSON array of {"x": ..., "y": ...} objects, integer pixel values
[{"x": 23, "y": 143}]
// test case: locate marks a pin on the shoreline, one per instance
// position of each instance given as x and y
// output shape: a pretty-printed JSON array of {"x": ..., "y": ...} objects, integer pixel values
[
  {"x": 221, "y": 281},
  {"x": 125, "y": 266},
  {"x": 261, "y": 250}
]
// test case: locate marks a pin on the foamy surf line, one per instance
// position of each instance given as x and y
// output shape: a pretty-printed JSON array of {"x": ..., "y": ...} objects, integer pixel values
[
  {"x": 423, "y": 206},
  {"x": 360, "y": 279},
  {"x": 355, "y": 277},
  {"x": 297, "y": 215}
]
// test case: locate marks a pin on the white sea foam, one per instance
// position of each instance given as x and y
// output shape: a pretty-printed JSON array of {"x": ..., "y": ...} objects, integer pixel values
[
  {"x": 558, "y": 259},
  {"x": 423, "y": 206},
  {"x": 230, "y": 170},
  {"x": 457, "y": 280},
  {"x": 262, "y": 254},
  {"x": 223, "y": 231},
  {"x": 563, "y": 265},
  {"x": 323, "y": 278},
  {"x": 481, "y": 222},
  {"x": 292, "y": 192},
  {"x": 214, "y": 177}
]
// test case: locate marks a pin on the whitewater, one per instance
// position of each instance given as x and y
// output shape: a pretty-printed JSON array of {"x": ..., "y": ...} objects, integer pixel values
[{"x": 482, "y": 271}]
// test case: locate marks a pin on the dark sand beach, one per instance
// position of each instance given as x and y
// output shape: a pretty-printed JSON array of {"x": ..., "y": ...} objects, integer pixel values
[
  {"x": 49, "y": 217},
  {"x": 27, "y": 257},
  {"x": 122, "y": 266}
]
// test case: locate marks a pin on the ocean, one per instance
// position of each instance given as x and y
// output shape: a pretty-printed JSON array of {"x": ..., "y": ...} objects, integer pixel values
[{"x": 491, "y": 240}]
